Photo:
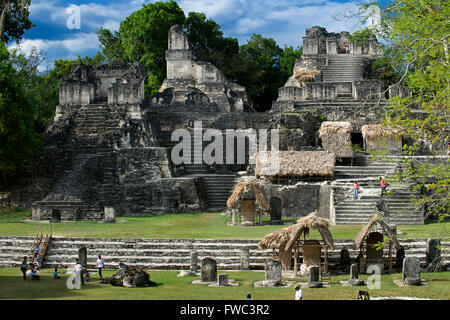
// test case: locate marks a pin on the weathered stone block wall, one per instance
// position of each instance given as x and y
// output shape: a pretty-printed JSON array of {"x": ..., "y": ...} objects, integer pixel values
[
  {"x": 124, "y": 93},
  {"x": 162, "y": 196},
  {"x": 300, "y": 199},
  {"x": 76, "y": 93}
]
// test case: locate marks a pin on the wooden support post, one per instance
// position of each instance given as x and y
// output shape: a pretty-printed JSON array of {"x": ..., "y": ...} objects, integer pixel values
[
  {"x": 295, "y": 259},
  {"x": 390, "y": 257},
  {"x": 362, "y": 265},
  {"x": 325, "y": 268}
]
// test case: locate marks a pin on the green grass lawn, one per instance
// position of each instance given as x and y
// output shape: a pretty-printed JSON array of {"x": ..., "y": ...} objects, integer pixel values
[
  {"x": 196, "y": 225},
  {"x": 170, "y": 287}
]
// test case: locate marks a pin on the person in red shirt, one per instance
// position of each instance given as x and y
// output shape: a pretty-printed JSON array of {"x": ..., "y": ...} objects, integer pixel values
[
  {"x": 383, "y": 185},
  {"x": 355, "y": 190}
]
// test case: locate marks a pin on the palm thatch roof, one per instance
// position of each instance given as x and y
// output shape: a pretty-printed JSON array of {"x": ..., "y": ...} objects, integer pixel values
[
  {"x": 295, "y": 163},
  {"x": 336, "y": 137},
  {"x": 245, "y": 186},
  {"x": 285, "y": 238},
  {"x": 376, "y": 218},
  {"x": 375, "y": 131},
  {"x": 303, "y": 75}
]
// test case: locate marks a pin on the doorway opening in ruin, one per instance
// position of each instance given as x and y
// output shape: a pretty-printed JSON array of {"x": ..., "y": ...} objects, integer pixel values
[
  {"x": 56, "y": 215},
  {"x": 357, "y": 139},
  {"x": 275, "y": 210}
]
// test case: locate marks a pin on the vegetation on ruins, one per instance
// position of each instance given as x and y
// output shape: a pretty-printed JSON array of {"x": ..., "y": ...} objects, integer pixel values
[
  {"x": 260, "y": 65},
  {"x": 416, "y": 33}
]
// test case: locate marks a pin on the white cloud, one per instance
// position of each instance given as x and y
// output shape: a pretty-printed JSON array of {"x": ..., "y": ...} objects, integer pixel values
[
  {"x": 60, "y": 49},
  {"x": 283, "y": 20}
]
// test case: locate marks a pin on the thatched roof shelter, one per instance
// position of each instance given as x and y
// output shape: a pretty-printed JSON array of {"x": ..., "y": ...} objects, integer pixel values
[
  {"x": 242, "y": 188},
  {"x": 295, "y": 164},
  {"x": 285, "y": 238},
  {"x": 376, "y": 218},
  {"x": 304, "y": 75},
  {"x": 376, "y": 131},
  {"x": 336, "y": 137}
]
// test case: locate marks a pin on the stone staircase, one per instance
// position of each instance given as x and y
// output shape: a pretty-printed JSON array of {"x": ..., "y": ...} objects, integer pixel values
[
  {"x": 168, "y": 254},
  {"x": 374, "y": 170},
  {"x": 445, "y": 253},
  {"x": 218, "y": 186},
  {"x": 359, "y": 212},
  {"x": 343, "y": 68},
  {"x": 218, "y": 189}
]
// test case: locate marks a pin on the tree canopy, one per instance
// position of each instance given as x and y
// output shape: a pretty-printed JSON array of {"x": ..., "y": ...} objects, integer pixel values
[
  {"x": 18, "y": 138},
  {"x": 416, "y": 33},
  {"x": 14, "y": 19}
]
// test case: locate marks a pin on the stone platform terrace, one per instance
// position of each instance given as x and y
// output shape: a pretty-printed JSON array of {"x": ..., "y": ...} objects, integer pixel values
[{"x": 174, "y": 254}]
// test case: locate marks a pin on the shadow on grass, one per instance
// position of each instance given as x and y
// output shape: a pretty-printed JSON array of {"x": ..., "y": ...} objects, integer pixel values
[{"x": 13, "y": 287}]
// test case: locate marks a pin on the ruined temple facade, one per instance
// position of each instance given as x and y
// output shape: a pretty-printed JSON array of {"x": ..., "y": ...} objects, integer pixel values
[
  {"x": 334, "y": 71},
  {"x": 110, "y": 149},
  {"x": 201, "y": 81}
]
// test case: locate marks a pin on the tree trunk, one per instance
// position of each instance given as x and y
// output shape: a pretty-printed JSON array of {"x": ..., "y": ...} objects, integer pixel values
[{"x": 5, "y": 8}]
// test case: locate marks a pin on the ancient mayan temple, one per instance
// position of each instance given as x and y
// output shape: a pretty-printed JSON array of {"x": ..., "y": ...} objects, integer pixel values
[{"x": 108, "y": 148}]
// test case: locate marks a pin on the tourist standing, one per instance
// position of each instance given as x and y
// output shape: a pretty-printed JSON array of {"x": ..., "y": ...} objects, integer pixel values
[
  {"x": 24, "y": 268},
  {"x": 298, "y": 293},
  {"x": 355, "y": 190},
  {"x": 78, "y": 269},
  {"x": 36, "y": 251},
  {"x": 55, "y": 274},
  {"x": 383, "y": 185},
  {"x": 100, "y": 264}
]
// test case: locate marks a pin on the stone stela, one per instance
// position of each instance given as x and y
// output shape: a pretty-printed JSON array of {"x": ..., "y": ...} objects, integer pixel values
[{"x": 209, "y": 270}]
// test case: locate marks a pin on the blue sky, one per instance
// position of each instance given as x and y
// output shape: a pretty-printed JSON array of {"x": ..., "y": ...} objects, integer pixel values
[{"x": 283, "y": 20}]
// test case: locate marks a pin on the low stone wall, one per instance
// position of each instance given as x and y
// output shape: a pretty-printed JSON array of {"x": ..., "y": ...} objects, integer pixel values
[{"x": 174, "y": 254}]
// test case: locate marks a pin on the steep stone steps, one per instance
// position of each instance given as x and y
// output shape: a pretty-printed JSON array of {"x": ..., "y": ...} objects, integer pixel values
[
  {"x": 218, "y": 189},
  {"x": 375, "y": 170},
  {"x": 445, "y": 253},
  {"x": 168, "y": 253},
  {"x": 343, "y": 69}
]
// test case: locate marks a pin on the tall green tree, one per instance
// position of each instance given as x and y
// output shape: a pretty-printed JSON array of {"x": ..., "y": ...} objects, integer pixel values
[
  {"x": 111, "y": 45},
  {"x": 18, "y": 138},
  {"x": 417, "y": 35},
  {"x": 144, "y": 38},
  {"x": 14, "y": 19},
  {"x": 263, "y": 76}
]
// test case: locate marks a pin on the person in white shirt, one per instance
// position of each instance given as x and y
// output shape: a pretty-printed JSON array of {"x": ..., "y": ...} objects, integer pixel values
[
  {"x": 100, "y": 266},
  {"x": 298, "y": 293},
  {"x": 78, "y": 269}
]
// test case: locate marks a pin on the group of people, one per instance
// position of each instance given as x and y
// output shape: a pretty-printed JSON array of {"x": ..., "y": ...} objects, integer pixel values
[
  {"x": 33, "y": 269},
  {"x": 383, "y": 186}
]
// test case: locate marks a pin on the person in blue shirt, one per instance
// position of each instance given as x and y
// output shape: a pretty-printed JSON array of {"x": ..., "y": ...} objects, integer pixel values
[
  {"x": 24, "y": 268},
  {"x": 55, "y": 274}
]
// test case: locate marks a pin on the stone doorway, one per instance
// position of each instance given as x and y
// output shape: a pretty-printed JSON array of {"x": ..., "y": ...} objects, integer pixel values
[
  {"x": 56, "y": 215},
  {"x": 357, "y": 139}
]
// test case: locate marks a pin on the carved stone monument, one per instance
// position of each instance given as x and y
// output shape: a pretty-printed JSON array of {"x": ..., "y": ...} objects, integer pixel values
[
  {"x": 222, "y": 280},
  {"x": 194, "y": 262},
  {"x": 82, "y": 256},
  {"x": 273, "y": 270},
  {"x": 411, "y": 271},
  {"x": 209, "y": 270},
  {"x": 245, "y": 258},
  {"x": 354, "y": 281}
]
